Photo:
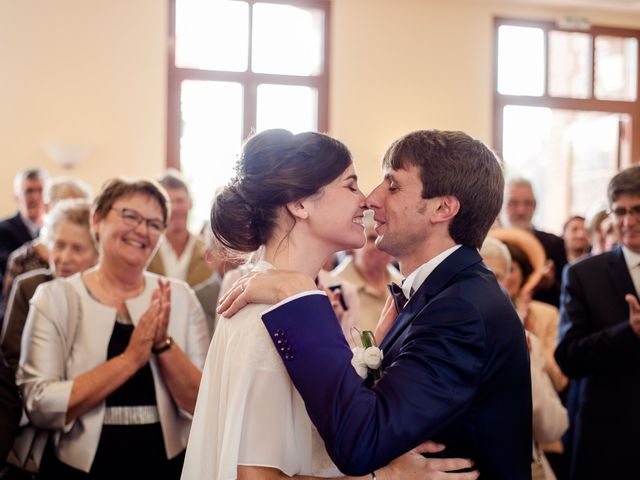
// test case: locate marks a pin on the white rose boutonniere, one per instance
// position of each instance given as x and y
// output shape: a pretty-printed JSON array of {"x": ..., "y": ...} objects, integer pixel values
[
  {"x": 358, "y": 362},
  {"x": 367, "y": 358}
]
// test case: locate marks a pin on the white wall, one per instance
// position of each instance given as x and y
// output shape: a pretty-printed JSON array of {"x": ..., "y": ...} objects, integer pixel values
[{"x": 82, "y": 71}]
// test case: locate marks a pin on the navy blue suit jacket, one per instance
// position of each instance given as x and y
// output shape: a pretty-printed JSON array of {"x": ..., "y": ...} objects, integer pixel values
[
  {"x": 599, "y": 347},
  {"x": 456, "y": 370}
]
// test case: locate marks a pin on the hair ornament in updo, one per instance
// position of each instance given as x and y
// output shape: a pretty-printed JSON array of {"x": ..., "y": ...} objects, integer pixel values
[
  {"x": 239, "y": 169},
  {"x": 275, "y": 167}
]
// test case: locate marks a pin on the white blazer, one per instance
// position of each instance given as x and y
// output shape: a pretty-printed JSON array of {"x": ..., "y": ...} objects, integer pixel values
[{"x": 45, "y": 374}]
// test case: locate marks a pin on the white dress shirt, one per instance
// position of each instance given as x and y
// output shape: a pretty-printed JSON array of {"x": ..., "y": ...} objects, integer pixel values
[
  {"x": 177, "y": 266},
  {"x": 632, "y": 259},
  {"x": 420, "y": 274}
]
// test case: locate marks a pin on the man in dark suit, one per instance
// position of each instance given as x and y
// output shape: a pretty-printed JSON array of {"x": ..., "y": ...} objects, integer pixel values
[
  {"x": 600, "y": 344},
  {"x": 456, "y": 364},
  {"x": 24, "y": 225},
  {"x": 520, "y": 205}
]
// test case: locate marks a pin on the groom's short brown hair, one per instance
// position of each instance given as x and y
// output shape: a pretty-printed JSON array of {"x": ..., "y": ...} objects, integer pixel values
[{"x": 453, "y": 163}]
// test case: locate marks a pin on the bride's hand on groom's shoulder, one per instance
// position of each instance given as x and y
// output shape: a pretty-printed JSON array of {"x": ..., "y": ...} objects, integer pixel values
[
  {"x": 267, "y": 287},
  {"x": 412, "y": 465}
]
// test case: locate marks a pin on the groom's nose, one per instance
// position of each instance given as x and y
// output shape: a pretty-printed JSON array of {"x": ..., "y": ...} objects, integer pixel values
[{"x": 373, "y": 199}]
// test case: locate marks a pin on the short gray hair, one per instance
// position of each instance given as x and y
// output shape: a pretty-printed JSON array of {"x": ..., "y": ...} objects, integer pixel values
[
  {"x": 494, "y": 248},
  {"x": 627, "y": 182},
  {"x": 73, "y": 210},
  {"x": 28, "y": 174},
  {"x": 60, "y": 188},
  {"x": 521, "y": 182},
  {"x": 172, "y": 178}
]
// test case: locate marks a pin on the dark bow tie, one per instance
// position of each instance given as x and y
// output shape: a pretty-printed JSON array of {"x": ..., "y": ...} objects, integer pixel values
[{"x": 399, "y": 300}]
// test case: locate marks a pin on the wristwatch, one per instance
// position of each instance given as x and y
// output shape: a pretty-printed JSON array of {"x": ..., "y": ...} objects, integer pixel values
[{"x": 166, "y": 345}]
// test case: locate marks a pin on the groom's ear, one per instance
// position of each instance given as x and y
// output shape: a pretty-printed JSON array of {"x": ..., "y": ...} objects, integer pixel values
[
  {"x": 448, "y": 207},
  {"x": 297, "y": 210}
]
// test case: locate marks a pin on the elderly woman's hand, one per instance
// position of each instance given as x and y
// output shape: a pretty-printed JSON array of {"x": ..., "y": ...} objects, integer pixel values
[
  {"x": 164, "y": 300},
  {"x": 143, "y": 336}
]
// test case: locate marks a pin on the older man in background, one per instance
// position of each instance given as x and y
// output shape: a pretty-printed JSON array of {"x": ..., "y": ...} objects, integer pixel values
[
  {"x": 25, "y": 224},
  {"x": 519, "y": 206},
  {"x": 35, "y": 254},
  {"x": 181, "y": 253},
  {"x": 600, "y": 344}
]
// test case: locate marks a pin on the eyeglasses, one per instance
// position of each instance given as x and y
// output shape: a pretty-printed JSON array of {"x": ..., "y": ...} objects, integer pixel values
[
  {"x": 621, "y": 212},
  {"x": 517, "y": 203},
  {"x": 133, "y": 219}
]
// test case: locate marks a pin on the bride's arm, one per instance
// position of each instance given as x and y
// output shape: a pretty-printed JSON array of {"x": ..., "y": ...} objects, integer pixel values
[{"x": 410, "y": 466}]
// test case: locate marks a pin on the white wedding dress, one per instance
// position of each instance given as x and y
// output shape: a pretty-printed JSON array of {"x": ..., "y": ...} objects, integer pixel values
[{"x": 248, "y": 411}]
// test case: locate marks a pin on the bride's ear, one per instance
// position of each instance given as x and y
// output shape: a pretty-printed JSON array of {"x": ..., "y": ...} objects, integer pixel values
[{"x": 297, "y": 210}]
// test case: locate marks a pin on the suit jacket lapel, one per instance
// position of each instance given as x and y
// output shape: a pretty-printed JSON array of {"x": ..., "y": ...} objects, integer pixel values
[
  {"x": 434, "y": 284},
  {"x": 21, "y": 229},
  {"x": 620, "y": 275}
]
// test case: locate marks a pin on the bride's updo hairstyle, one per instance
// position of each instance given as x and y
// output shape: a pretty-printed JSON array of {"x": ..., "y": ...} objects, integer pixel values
[{"x": 274, "y": 168}]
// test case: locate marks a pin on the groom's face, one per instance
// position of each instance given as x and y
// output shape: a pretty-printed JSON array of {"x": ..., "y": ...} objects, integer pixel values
[{"x": 400, "y": 212}]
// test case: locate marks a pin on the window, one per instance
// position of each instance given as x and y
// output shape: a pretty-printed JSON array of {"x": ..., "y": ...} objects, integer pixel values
[
  {"x": 235, "y": 67},
  {"x": 566, "y": 111}
]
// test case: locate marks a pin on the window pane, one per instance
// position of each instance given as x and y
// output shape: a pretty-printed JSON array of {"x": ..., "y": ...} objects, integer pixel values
[
  {"x": 284, "y": 106},
  {"x": 211, "y": 137},
  {"x": 520, "y": 60},
  {"x": 616, "y": 68},
  {"x": 212, "y": 35},
  {"x": 569, "y": 156},
  {"x": 569, "y": 64},
  {"x": 287, "y": 40}
]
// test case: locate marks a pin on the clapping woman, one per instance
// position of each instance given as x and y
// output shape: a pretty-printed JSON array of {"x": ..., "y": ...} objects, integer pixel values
[{"x": 113, "y": 357}]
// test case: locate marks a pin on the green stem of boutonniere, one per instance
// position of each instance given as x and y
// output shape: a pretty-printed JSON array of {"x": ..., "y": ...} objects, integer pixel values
[{"x": 369, "y": 340}]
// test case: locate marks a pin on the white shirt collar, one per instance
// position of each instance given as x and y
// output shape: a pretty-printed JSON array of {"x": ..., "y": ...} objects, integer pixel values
[
  {"x": 631, "y": 258},
  {"x": 31, "y": 226},
  {"x": 420, "y": 274},
  {"x": 174, "y": 266}
]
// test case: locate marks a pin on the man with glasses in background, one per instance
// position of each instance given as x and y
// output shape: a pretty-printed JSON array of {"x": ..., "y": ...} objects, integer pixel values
[
  {"x": 600, "y": 344},
  {"x": 519, "y": 207}
]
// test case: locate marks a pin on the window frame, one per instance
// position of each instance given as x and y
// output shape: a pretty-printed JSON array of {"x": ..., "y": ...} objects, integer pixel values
[
  {"x": 248, "y": 79},
  {"x": 592, "y": 104}
]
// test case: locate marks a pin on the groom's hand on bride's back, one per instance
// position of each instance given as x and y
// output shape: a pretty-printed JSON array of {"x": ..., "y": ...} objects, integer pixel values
[
  {"x": 269, "y": 287},
  {"x": 413, "y": 465}
]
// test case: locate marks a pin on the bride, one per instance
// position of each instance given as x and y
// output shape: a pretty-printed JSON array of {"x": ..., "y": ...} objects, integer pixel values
[{"x": 297, "y": 197}]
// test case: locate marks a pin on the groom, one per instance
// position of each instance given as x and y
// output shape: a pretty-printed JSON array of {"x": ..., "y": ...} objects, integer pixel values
[{"x": 456, "y": 364}]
